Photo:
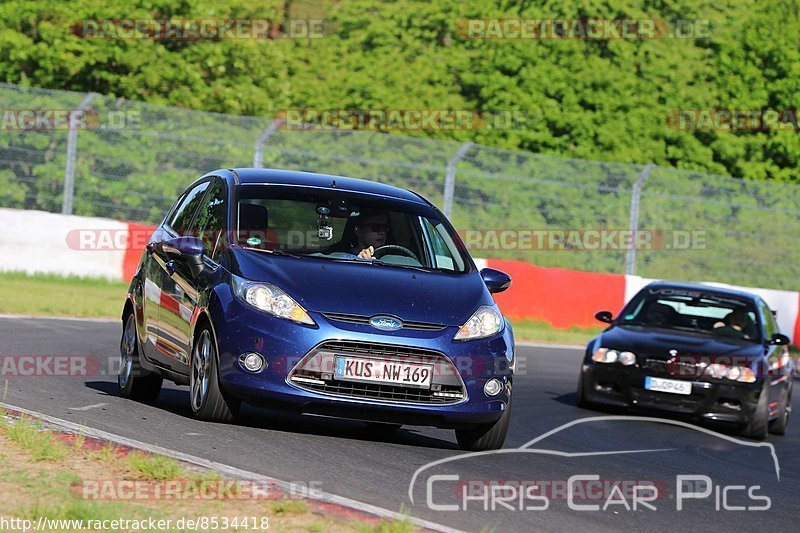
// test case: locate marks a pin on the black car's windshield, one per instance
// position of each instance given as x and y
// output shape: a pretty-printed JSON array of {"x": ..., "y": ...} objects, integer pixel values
[
  {"x": 345, "y": 226},
  {"x": 690, "y": 310}
]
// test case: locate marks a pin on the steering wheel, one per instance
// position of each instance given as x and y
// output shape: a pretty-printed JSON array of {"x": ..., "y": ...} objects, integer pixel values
[{"x": 380, "y": 251}]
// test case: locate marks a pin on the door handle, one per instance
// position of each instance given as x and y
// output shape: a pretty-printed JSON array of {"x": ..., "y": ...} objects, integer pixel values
[{"x": 170, "y": 266}]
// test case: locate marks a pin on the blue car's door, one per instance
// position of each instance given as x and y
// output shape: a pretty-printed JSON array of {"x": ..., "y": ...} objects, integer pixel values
[{"x": 176, "y": 299}]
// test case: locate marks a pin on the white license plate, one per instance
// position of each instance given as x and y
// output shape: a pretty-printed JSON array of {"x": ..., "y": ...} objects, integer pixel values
[
  {"x": 672, "y": 386},
  {"x": 378, "y": 371}
]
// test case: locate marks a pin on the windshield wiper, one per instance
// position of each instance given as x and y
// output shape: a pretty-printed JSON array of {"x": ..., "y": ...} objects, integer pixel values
[
  {"x": 276, "y": 251},
  {"x": 373, "y": 261}
]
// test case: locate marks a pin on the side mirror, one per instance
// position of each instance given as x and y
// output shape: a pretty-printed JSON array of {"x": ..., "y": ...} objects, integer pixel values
[
  {"x": 779, "y": 340},
  {"x": 188, "y": 250},
  {"x": 605, "y": 316},
  {"x": 495, "y": 280}
]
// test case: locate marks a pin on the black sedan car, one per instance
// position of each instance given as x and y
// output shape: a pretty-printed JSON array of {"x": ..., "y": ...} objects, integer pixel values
[{"x": 710, "y": 353}]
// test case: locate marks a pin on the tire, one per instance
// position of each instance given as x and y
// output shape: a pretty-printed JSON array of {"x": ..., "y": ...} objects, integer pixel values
[
  {"x": 486, "y": 436},
  {"x": 134, "y": 382},
  {"x": 580, "y": 395},
  {"x": 756, "y": 428},
  {"x": 781, "y": 423},
  {"x": 206, "y": 399}
]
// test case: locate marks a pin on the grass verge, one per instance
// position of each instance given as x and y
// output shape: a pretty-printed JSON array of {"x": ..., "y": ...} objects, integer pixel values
[
  {"x": 47, "y": 295},
  {"x": 64, "y": 486}
]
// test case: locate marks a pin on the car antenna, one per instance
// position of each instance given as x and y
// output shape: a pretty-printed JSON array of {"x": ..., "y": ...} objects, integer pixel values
[{"x": 333, "y": 184}]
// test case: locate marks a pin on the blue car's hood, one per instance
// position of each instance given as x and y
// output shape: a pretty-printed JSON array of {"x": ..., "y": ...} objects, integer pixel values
[
  {"x": 657, "y": 342},
  {"x": 342, "y": 287}
]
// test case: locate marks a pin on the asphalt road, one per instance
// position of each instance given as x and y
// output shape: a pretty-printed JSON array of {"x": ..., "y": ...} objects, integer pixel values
[{"x": 348, "y": 459}]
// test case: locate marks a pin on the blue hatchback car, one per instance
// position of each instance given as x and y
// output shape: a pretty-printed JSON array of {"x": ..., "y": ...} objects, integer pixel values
[{"x": 323, "y": 294}]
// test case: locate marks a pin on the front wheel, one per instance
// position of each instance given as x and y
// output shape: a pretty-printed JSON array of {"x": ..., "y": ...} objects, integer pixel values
[
  {"x": 758, "y": 424},
  {"x": 580, "y": 394},
  {"x": 486, "y": 436},
  {"x": 781, "y": 422},
  {"x": 134, "y": 383},
  {"x": 208, "y": 401}
]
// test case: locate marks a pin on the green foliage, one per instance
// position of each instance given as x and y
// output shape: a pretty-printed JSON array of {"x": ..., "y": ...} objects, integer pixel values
[
  {"x": 606, "y": 101},
  {"x": 603, "y": 100}
]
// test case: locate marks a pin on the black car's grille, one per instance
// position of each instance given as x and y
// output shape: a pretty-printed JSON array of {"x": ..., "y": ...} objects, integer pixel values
[
  {"x": 446, "y": 387},
  {"x": 364, "y": 320},
  {"x": 678, "y": 369}
]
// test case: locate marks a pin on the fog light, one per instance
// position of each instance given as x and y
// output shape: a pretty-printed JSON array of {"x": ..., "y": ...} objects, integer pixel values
[
  {"x": 493, "y": 387},
  {"x": 252, "y": 362}
]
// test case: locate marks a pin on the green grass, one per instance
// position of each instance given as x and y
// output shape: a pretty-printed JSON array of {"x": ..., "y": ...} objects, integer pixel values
[
  {"x": 106, "y": 454},
  {"x": 288, "y": 507},
  {"x": 401, "y": 526},
  {"x": 49, "y": 295},
  {"x": 31, "y": 437},
  {"x": 528, "y": 330},
  {"x": 155, "y": 467}
]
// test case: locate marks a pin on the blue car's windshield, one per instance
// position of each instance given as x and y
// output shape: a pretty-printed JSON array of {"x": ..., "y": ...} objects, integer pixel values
[{"x": 346, "y": 226}]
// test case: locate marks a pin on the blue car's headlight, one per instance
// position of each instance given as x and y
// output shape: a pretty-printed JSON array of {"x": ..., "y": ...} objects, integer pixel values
[
  {"x": 269, "y": 298},
  {"x": 485, "y": 322}
]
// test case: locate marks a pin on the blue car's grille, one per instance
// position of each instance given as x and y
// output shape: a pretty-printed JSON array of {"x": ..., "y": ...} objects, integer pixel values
[
  {"x": 364, "y": 320},
  {"x": 446, "y": 388},
  {"x": 395, "y": 393}
]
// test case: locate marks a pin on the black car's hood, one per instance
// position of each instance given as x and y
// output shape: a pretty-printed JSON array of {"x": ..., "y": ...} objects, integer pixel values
[
  {"x": 658, "y": 342},
  {"x": 364, "y": 289}
]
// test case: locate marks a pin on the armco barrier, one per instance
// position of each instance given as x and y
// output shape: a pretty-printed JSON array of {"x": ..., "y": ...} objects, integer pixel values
[{"x": 41, "y": 242}]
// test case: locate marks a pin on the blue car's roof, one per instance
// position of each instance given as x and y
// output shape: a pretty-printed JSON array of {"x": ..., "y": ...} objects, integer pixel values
[
  {"x": 310, "y": 179},
  {"x": 700, "y": 287}
]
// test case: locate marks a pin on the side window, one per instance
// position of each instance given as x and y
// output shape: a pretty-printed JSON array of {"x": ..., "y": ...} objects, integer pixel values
[
  {"x": 188, "y": 207},
  {"x": 210, "y": 221},
  {"x": 445, "y": 254},
  {"x": 770, "y": 328}
]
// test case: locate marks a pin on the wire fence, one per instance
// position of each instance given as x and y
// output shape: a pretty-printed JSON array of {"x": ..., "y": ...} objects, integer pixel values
[{"x": 129, "y": 160}]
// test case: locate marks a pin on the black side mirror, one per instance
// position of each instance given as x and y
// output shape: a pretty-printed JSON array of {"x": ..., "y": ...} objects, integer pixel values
[
  {"x": 495, "y": 280},
  {"x": 779, "y": 339},
  {"x": 188, "y": 250},
  {"x": 604, "y": 316}
]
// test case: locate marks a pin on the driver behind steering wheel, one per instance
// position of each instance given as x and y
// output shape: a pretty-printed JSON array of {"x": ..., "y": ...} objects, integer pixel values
[{"x": 371, "y": 230}]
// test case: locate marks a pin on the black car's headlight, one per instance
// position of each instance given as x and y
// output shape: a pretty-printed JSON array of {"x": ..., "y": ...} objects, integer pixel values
[
  {"x": 271, "y": 299},
  {"x": 484, "y": 322},
  {"x": 606, "y": 355},
  {"x": 734, "y": 373}
]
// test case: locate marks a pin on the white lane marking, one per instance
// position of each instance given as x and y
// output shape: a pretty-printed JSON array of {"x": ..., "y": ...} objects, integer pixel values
[
  {"x": 193, "y": 434},
  {"x": 63, "y": 318},
  {"x": 230, "y": 471},
  {"x": 87, "y": 407}
]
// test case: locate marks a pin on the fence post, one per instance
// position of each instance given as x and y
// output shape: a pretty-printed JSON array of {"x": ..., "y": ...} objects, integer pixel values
[
  {"x": 72, "y": 151},
  {"x": 450, "y": 177},
  {"x": 630, "y": 259},
  {"x": 258, "y": 155}
]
